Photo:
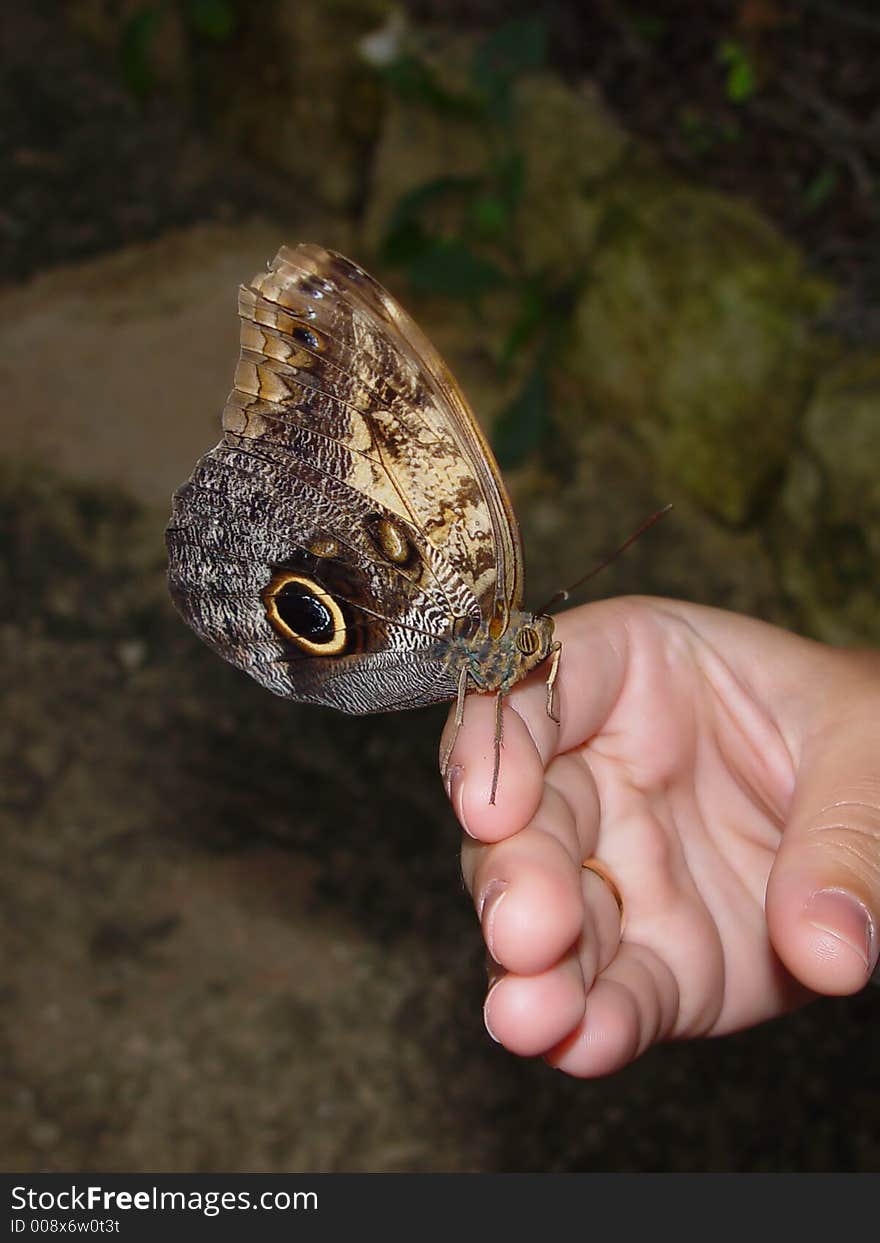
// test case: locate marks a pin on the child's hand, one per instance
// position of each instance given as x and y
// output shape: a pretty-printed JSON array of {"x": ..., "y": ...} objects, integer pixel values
[{"x": 699, "y": 754}]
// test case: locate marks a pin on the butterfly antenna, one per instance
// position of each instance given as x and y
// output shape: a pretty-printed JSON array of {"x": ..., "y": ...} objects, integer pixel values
[{"x": 562, "y": 596}]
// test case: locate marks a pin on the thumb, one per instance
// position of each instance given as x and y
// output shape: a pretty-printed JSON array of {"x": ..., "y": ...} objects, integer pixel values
[{"x": 823, "y": 896}]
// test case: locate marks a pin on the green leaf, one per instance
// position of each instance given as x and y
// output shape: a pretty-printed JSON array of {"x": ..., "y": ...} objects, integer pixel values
[
  {"x": 531, "y": 315},
  {"x": 404, "y": 243},
  {"x": 509, "y": 175},
  {"x": 741, "y": 78},
  {"x": 212, "y": 19},
  {"x": 136, "y": 47},
  {"x": 516, "y": 48},
  {"x": 821, "y": 188},
  {"x": 522, "y": 425},
  {"x": 413, "y": 80},
  {"x": 650, "y": 28},
  {"x": 412, "y": 204},
  {"x": 489, "y": 216},
  {"x": 450, "y": 267}
]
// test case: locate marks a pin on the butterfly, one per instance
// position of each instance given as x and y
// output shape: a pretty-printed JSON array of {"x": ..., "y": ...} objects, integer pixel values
[{"x": 350, "y": 541}]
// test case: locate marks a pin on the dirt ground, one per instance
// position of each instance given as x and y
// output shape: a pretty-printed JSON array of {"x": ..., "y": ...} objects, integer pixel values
[{"x": 235, "y": 935}]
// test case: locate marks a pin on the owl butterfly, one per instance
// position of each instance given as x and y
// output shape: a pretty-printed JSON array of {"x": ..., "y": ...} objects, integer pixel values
[{"x": 350, "y": 541}]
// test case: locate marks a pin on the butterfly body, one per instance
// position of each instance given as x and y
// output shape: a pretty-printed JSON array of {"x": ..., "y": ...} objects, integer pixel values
[
  {"x": 498, "y": 663},
  {"x": 350, "y": 541}
]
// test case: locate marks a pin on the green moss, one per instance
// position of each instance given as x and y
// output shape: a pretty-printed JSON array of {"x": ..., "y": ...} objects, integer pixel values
[{"x": 696, "y": 328}]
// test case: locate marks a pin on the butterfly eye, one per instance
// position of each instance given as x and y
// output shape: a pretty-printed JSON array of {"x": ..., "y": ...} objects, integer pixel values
[
  {"x": 302, "y": 612},
  {"x": 528, "y": 641}
]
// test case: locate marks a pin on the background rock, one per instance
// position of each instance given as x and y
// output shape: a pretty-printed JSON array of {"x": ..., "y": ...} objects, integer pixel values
[
  {"x": 237, "y": 935},
  {"x": 694, "y": 329},
  {"x": 826, "y": 528}
]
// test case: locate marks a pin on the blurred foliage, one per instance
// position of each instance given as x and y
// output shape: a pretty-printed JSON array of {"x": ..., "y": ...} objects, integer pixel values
[
  {"x": 821, "y": 188},
  {"x": 212, "y": 21},
  {"x": 741, "y": 81},
  {"x": 475, "y": 251},
  {"x": 704, "y": 134}
]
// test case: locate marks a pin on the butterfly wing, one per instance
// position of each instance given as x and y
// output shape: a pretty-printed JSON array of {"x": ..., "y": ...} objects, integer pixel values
[{"x": 352, "y": 522}]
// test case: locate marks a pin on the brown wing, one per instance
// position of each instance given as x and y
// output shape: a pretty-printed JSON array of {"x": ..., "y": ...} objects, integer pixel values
[
  {"x": 316, "y": 322},
  {"x": 351, "y": 469}
]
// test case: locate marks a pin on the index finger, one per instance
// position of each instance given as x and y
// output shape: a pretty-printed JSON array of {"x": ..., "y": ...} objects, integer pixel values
[{"x": 592, "y": 671}]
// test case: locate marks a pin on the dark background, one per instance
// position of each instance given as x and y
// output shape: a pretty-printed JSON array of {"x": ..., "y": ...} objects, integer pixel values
[{"x": 236, "y": 936}]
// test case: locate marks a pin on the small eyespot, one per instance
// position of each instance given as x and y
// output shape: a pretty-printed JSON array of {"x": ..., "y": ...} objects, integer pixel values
[
  {"x": 391, "y": 541},
  {"x": 348, "y": 270},
  {"x": 306, "y": 337},
  {"x": 324, "y": 547}
]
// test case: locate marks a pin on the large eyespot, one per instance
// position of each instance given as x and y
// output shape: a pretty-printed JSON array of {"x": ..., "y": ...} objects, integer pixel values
[
  {"x": 528, "y": 640},
  {"x": 300, "y": 611}
]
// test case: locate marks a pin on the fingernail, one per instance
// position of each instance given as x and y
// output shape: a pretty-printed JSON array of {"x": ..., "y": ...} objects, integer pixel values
[
  {"x": 454, "y": 783},
  {"x": 488, "y": 909},
  {"x": 486, "y": 1022},
  {"x": 843, "y": 916}
]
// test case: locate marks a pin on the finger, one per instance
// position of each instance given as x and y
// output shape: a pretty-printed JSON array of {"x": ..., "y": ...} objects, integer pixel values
[
  {"x": 531, "y": 1014},
  {"x": 568, "y": 811},
  {"x": 592, "y": 670},
  {"x": 591, "y": 674},
  {"x": 603, "y": 926},
  {"x": 553, "y": 926},
  {"x": 632, "y": 1005},
  {"x": 528, "y": 890},
  {"x": 469, "y": 776},
  {"x": 823, "y": 896}
]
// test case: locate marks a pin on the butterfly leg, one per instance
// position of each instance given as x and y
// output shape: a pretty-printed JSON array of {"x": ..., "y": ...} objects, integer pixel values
[
  {"x": 555, "y": 653},
  {"x": 459, "y": 717},
  {"x": 499, "y": 738}
]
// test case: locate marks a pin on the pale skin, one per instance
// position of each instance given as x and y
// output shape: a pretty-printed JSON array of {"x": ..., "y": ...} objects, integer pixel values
[{"x": 726, "y": 774}]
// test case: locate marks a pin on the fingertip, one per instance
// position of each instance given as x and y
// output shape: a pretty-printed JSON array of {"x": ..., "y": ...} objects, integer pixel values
[
  {"x": 531, "y": 1014},
  {"x": 825, "y": 934},
  {"x": 471, "y": 771},
  {"x": 606, "y": 1040},
  {"x": 542, "y": 914}
]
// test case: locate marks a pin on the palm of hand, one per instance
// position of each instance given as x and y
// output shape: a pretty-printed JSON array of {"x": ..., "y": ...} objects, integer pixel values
[{"x": 674, "y": 766}]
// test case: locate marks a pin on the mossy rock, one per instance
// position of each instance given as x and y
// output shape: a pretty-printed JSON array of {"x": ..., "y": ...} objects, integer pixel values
[
  {"x": 571, "y": 147},
  {"x": 827, "y": 527},
  {"x": 695, "y": 327},
  {"x": 564, "y": 139}
]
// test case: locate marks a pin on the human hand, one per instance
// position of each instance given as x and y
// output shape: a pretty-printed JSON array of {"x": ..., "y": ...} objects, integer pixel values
[{"x": 726, "y": 774}]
